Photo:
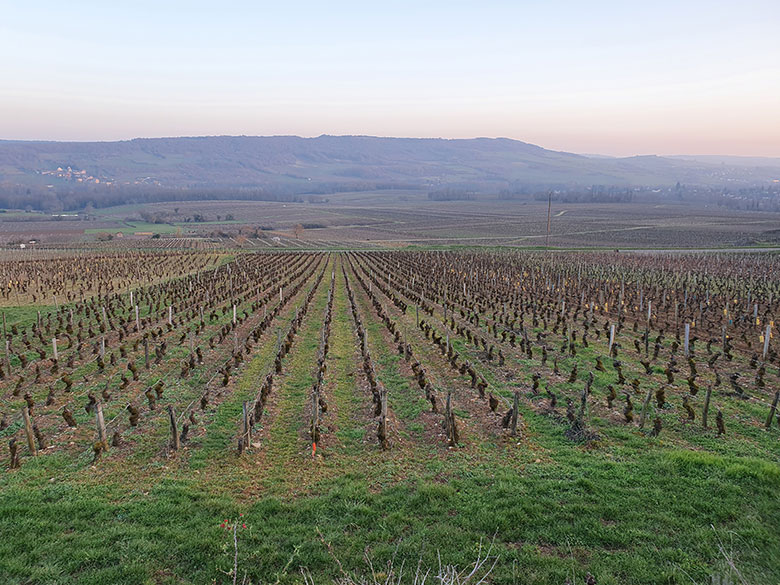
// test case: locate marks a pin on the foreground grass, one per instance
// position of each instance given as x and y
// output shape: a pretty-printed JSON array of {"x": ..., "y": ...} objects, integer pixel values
[{"x": 654, "y": 517}]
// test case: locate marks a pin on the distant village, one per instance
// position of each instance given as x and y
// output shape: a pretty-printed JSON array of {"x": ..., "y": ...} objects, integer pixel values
[{"x": 81, "y": 176}]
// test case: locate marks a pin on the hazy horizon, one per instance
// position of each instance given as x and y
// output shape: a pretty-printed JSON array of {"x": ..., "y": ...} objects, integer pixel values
[{"x": 701, "y": 78}]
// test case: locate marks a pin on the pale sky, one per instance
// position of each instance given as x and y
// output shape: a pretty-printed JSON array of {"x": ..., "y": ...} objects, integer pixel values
[{"x": 610, "y": 77}]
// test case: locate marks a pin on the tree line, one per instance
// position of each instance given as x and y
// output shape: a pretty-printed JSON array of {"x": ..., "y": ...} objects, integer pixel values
[{"x": 41, "y": 198}]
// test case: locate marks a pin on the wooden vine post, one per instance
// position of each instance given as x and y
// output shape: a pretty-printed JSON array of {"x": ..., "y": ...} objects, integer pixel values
[
  {"x": 101, "y": 425},
  {"x": 175, "y": 441},
  {"x": 28, "y": 431},
  {"x": 611, "y": 337},
  {"x": 384, "y": 409},
  {"x": 772, "y": 410},
  {"x": 315, "y": 416},
  {"x": 767, "y": 336},
  {"x": 515, "y": 412},
  {"x": 706, "y": 407},
  {"x": 645, "y": 404},
  {"x": 7, "y": 347},
  {"x": 246, "y": 425},
  {"x": 449, "y": 421}
]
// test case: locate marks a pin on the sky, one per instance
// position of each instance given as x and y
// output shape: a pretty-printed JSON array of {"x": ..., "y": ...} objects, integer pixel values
[{"x": 609, "y": 77}]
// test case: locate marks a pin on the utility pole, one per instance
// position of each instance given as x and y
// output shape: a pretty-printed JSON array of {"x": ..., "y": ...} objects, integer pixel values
[{"x": 549, "y": 209}]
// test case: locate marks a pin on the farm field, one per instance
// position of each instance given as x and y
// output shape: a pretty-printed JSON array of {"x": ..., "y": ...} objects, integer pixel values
[
  {"x": 294, "y": 416},
  {"x": 396, "y": 219}
]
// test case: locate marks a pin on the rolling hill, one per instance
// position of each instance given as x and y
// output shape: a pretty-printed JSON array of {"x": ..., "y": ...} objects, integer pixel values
[{"x": 296, "y": 164}]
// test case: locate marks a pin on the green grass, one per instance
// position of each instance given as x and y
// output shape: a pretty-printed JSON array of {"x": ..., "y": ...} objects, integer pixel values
[
  {"x": 343, "y": 364},
  {"x": 286, "y": 438},
  {"x": 656, "y": 517}
]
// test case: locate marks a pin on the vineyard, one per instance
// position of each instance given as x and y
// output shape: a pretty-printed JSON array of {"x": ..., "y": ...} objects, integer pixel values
[{"x": 598, "y": 417}]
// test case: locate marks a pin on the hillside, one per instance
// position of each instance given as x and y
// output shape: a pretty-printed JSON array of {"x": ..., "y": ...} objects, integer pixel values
[{"x": 295, "y": 164}]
